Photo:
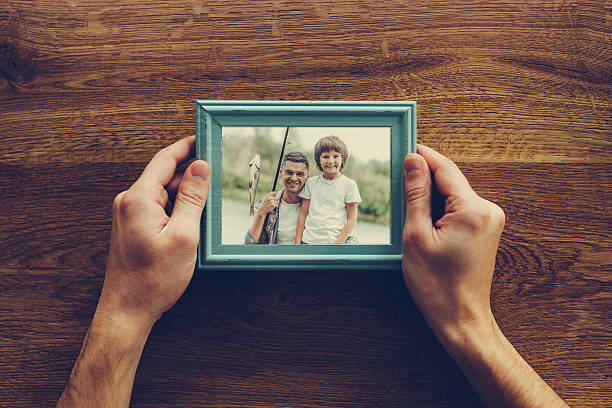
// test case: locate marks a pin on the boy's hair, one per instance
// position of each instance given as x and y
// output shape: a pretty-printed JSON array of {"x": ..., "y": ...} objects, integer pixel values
[
  {"x": 297, "y": 157},
  {"x": 327, "y": 143}
]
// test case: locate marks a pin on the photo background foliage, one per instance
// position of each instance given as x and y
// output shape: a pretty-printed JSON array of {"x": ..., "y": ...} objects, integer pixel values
[{"x": 373, "y": 176}]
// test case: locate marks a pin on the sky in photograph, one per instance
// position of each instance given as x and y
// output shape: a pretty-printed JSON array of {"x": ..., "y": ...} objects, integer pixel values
[{"x": 363, "y": 143}]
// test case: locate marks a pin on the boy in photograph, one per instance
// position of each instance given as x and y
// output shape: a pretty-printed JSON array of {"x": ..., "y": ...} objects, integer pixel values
[{"x": 329, "y": 200}]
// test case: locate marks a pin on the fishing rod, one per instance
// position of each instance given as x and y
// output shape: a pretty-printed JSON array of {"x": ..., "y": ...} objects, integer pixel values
[{"x": 280, "y": 160}]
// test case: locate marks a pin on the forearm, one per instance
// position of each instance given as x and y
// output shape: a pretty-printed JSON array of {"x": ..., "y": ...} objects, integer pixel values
[
  {"x": 495, "y": 369},
  {"x": 299, "y": 229},
  {"x": 103, "y": 374},
  {"x": 349, "y": 225},
  {"x": 257, "y": 225},
  {"x": 346, "y": 231}
]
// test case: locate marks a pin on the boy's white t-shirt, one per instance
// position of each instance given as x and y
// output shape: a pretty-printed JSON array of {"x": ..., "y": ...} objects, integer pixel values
[
  {"x": 327, "y": 211},
  {"x": 287, "y": 222}
]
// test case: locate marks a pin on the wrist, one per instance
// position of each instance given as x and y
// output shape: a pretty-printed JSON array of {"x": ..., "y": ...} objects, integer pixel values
[
  {"x": 463, "y": 340},
  {"x": 128, "y": 325},
  {"x": 125, "y": 331}
]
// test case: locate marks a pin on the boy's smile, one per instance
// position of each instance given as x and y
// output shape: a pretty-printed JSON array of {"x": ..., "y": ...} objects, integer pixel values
[{"x": 331, "y": 162}]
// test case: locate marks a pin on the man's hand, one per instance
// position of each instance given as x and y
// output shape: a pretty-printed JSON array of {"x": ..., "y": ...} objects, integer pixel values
[
  {"x": 152, "y": 255},
  {"x": 448, "y": 269},
  {"x": 269, "y": 203},
  {"x": 150, "y": 263},
  {"x": 448, "y": 266}
]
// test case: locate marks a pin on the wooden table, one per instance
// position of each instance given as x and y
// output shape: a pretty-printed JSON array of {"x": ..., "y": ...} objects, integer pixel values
[{"x": 517, "y": 93}]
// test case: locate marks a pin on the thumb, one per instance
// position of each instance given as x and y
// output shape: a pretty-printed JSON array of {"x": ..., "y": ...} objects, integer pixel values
[
  {"x": 190, "y": 200},
  {"x": 417, "y": 190}
]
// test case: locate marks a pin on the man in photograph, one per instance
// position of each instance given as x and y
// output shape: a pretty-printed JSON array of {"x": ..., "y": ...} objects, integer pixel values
[{"x": 282, "y": 208}]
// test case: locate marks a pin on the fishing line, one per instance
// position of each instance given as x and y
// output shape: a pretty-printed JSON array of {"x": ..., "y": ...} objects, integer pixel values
[{"x": 280, "y": 159}]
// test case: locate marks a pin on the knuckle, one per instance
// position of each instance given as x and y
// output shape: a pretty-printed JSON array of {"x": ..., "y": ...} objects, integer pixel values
[
  {"x": 192, "y": 195},
  {"x": 498, "y": 214},
  {"x": 117, "y": 201},
  {"x": 485, "y": 214},
  {"x": 481, "y": 215},
  {"x": 416, "y": 193},
  {"x": 130, "y": 203}
]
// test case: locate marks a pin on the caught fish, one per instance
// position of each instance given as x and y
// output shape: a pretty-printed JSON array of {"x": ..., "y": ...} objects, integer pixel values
[{"x": 254, "y": 166}]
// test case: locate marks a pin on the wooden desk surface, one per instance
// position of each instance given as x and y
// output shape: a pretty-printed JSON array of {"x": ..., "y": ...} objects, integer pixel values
[{"x": 518, "y": 93}]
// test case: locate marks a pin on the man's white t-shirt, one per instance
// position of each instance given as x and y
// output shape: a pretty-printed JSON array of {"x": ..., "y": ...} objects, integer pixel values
[
  {"x": 327, "y": 211},
  {"x": 287, "y": 222}
]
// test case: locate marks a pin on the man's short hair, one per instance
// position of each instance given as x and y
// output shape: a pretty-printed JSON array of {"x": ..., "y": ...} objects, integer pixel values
[
  {"x": 297, "y": 157},
  {"x": 328, "y": 143}
]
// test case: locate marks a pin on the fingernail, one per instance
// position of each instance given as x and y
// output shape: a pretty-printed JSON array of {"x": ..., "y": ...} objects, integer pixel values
[
  {"x": 200, "y": 170},
  {"x": 412, "y": 163}
]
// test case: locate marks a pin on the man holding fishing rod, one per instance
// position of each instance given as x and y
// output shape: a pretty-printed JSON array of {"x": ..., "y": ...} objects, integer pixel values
[{"x": 276, "y": 215}]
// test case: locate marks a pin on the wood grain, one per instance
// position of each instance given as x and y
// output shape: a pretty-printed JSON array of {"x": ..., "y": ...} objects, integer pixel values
[{"x": 517, "y": 94}]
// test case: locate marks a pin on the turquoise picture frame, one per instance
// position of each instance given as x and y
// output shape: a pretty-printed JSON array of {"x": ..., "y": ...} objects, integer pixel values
[{"x": 213, "y": 115}]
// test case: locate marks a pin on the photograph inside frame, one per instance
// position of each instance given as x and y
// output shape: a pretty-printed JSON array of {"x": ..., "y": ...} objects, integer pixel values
[{"x": 306, "y": 185}]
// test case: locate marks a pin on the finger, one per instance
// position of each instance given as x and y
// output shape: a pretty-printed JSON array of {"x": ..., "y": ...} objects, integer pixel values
[
  {"x": 190, "y": 200},
  {"x": 449, "y": 180},
  {"x": 174, "y": 183},
  {"x": 417, "y": 190},
  {"x": 161, "y": 168}
]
